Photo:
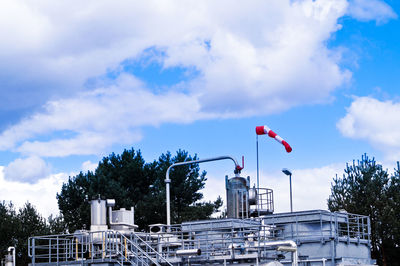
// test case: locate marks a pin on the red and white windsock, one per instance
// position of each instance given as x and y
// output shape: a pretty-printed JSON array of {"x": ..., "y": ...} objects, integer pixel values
[{"x": 262, "y": 130}]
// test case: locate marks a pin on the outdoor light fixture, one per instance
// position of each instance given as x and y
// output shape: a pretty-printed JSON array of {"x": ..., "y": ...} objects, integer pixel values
[{"x": 287, "y": 172}]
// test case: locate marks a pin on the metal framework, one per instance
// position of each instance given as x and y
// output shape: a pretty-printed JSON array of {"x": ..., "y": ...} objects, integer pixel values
[{"x": 247, "y": 241}]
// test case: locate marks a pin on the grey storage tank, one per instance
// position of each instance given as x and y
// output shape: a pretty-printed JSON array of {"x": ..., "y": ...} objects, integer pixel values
[{"x": 237, "y": 197}]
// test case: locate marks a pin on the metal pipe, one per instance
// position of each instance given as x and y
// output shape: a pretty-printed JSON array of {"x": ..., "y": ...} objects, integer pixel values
[
  {"x": 237, "y": 170},
  {"x": 188, "y": 252},
  {"x": 12, "y": 249},
  {"x": 291, "y": 243}
]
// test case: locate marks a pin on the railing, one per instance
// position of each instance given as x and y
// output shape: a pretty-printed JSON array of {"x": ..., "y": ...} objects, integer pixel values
[
  {"x": 218, "y": 240},
  {"x": 265, "y": 198},
  {"x": 245, "y": 240},
  {"x": 88, "y": 247},
  {"x": 321, "y": 226},
  {"x": 354, "y": 227}
]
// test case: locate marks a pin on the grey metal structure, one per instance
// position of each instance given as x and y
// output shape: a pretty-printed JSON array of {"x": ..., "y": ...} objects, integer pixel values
[
  {"x": 316, "y": 237},
  {"x": 323, "y": 236},
  {"x": 250, "y": 235},
  {"x": 245, "y": 202},
  {"x": 237, "y": 195}
]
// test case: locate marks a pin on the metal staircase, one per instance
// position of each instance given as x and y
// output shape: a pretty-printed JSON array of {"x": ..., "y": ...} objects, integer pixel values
[{"x": 134, "y": 250}]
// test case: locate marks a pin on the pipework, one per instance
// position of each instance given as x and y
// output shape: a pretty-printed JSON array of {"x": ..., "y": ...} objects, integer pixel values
[{"x": 237, "y": 171}]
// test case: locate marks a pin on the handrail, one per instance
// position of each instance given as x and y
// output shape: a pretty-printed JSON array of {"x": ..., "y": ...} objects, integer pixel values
[
  {"x": 144, "y": 252},
  {"x": 135, "y": 244}
]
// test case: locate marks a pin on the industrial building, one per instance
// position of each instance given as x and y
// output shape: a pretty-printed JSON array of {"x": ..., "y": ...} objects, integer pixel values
[{"x": 251, "y": 234}]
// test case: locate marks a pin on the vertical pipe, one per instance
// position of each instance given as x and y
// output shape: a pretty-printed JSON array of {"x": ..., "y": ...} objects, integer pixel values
[
  {"x": 104, "y": 254},
  {"x": 126, "y": 250},
  {"x": 57, "y": 251},
  {"x": 33, "y": 251},
  {"x": 167, "y": 181},
  {"x": 348, "y": 229},
  {"x": 76, "y": 248},
  {"x": 50, "y": 250},
  {"x": 82, "y": 261}
]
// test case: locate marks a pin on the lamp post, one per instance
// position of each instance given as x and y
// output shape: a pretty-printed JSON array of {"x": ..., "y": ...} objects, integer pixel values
[{"x": 287, "y": 172}]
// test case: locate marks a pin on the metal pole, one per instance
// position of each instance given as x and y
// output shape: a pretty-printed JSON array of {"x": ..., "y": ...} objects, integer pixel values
[
  {"x": 291, "y": 204},
  {"x": 258, "y": 185},
  {"x": 237, "y": 170},
  {"x": 258, "y": 179}
]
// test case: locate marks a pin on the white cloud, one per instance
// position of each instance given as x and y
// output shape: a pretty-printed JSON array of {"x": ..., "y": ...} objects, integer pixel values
[
  {"x": 310, "y": 187},
  {"x": 28, "y": 170},
  {"x": 377, "y": 122},
  {"x": 41, "y": 194},
  {"x": 89, "y": 166},
  {"x": 366, "y": 10},
  {"x": 265, "y": 63},
  {"x": 98, "y": 119}
]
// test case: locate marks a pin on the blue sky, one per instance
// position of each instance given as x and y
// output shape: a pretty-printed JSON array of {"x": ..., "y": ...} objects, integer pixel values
[{"x": 82, "y": 80}]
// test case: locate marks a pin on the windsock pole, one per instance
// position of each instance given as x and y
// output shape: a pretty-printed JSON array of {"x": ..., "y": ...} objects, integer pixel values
[
  {"x": 258, "y": 178},
  {"x": 258, "y": 182},
  {"x": 264, "y": 130}
]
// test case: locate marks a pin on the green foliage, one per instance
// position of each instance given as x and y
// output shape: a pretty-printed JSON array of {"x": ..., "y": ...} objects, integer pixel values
[
  {"x": 73, "y": 203},
  {"x": 367, "y": 189},
  {"x": 8, "y": 227},
  {"x": 131, "y": 181},
  {"x": 30, "y": 223},
  {"x": 17, "y": 227}
]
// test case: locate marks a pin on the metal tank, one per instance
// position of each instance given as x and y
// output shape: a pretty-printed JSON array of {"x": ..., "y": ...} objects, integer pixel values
[
  {"x": 237, "y": 197},
  {"x": 98, "y": 212},
  {"x": 123, "y": 219}
]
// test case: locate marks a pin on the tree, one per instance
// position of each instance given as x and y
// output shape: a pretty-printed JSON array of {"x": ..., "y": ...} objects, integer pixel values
[
  {"x": 56, "y": 225},
  {"x": 72, "y": 201},
  {"x": 367, "y": 189},
  {"x": 30, "y": 223},
  {"x": 131, "y": 181},
  {"x": 8, "y": 227},
  {"x": 16, "y": 228}
]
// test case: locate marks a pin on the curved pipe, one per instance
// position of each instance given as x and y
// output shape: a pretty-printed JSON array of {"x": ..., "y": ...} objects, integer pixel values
[
  {"x": 12, "y": 249},
  {"x": 237, "y": 170}
]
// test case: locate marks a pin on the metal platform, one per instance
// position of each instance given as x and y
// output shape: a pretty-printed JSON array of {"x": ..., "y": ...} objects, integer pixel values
[{"x": 322, "y": 238}]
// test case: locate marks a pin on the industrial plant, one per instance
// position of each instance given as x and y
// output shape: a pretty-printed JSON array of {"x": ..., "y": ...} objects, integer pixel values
[{"x": 249, "y": 234}]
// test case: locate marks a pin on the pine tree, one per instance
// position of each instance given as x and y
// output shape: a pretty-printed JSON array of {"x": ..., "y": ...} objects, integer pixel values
[
  {"x": 367, "y": 189},
  {"x": 132, "y": 182}
]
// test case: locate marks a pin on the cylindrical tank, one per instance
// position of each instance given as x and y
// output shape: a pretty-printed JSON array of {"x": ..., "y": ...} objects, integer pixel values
[
  {"x": 98, "y": 212},
  {"x": 253, "y": 196},
  {"x": 237, "y": 197},
  {"x": 9, "y": 260}
]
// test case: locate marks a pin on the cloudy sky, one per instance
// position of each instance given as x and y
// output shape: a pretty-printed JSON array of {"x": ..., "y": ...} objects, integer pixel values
[{"x": 80, "y": 80}]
